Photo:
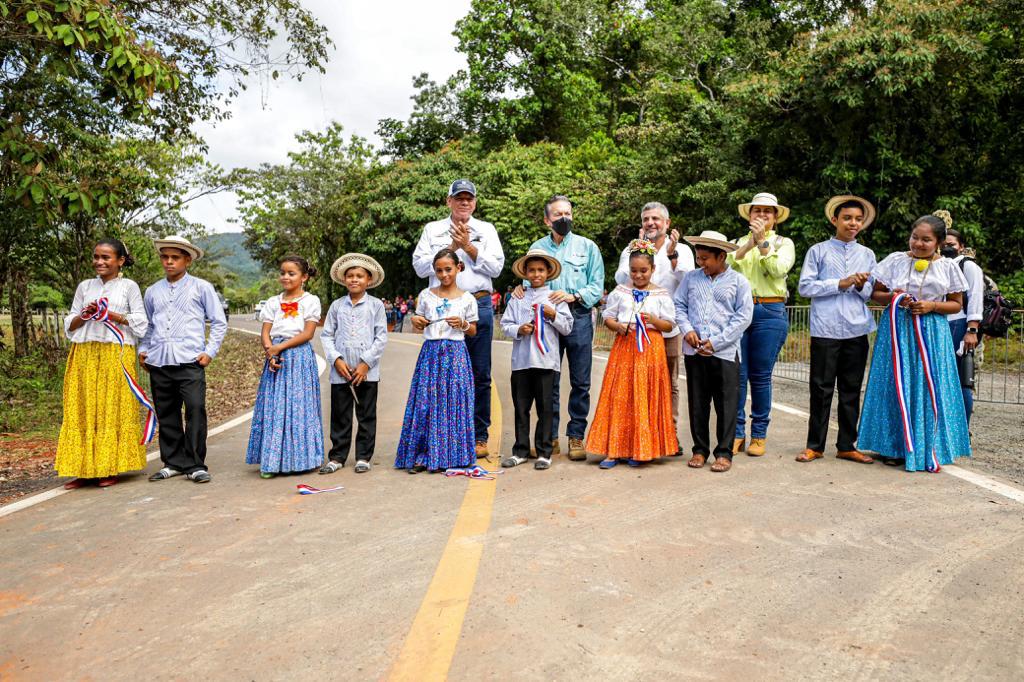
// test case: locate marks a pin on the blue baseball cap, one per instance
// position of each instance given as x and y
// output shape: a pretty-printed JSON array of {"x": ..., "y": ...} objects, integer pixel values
[{"x": 460, "y": 186}]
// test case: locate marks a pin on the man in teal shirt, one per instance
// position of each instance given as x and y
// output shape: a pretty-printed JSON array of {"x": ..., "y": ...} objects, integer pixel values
[{"x": 580, "y": 286}]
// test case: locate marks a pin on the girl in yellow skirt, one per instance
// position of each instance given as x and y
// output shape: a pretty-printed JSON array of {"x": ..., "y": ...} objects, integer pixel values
[
  {"x": 101, "y": 435},
  {"x": 634, "y": 413}
]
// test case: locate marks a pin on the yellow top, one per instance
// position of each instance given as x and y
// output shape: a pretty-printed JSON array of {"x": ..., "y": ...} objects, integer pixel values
[{"x": 767, "y": 273}]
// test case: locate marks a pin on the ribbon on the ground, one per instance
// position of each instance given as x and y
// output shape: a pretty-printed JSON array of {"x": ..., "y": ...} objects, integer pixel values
[
  {"x": 643, "y": 339},
  {"x": 310, "y": 490},
  {"x": 476, "y": 471},
  {"x": 538, "y": 328},
  {"x": 932, "y": 464},
  {"x": 102, "y": 314}
]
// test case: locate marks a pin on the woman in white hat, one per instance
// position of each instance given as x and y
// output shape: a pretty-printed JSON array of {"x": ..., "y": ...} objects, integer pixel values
[{"x": 764, "y": 258}]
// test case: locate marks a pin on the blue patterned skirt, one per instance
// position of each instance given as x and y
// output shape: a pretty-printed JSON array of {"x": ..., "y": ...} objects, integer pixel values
[
  {"x": 287, "y": 429},
  {"x": 881, "y": 426},
  {"x": 438, "y": 430}
]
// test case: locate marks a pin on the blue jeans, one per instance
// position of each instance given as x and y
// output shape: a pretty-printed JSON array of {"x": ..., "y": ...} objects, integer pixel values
[
  {"x": 479, "y": 347},
  {"x": 958, "y": 328},
  {"x": 759, "y": 349},
  {"x": 579, "y": 346}
]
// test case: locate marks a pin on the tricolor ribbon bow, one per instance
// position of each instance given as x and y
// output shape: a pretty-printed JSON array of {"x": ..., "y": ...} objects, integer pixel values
[
  {"x": 538, "y": 328},
  {"x": 476, "y": 471},
  {"x": 643, "y": 339},
  {"x": 290, "y": 308},
  {"x": 932, "y": 464},
  {"x": 102, "y": 314}
]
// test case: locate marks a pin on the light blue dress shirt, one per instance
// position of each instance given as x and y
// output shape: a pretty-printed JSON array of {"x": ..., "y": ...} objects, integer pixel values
[
  {"x": 837, "y": 313},
  {"x": 582, "y": 267},
  {"x": 525, "y": 353},
  {"x": 355, "y": 333},
  {"x": 719, "y": 309},
  {"x": 177, "y": 315}
]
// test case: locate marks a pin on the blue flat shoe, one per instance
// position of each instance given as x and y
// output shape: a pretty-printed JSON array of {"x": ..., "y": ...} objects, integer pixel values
[
  {"x": 608, "y": 463},
  {"x": 633, "y": 462}
]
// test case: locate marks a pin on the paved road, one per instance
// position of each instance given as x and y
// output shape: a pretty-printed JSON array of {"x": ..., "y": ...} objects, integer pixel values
[{"x": 774, "y": 570}]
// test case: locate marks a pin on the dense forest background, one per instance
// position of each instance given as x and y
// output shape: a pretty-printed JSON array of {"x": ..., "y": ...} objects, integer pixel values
[{"x": 914, "y": 104}]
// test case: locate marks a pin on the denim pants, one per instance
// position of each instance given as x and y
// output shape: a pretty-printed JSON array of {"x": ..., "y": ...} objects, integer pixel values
[
  {"x": 759, "y": 349},
  {"x": 578, "y": 345},
  {"x": 959, "y": 329},
  {"x": 479, "y": 347}
]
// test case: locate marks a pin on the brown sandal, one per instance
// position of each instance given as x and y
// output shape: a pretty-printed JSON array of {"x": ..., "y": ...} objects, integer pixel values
[
  {"x": 855, "y": 456},
  {"x": 697, "y": 461},
  {"x": 809, "y": 455},
  {"x": 722, "y": 464}
]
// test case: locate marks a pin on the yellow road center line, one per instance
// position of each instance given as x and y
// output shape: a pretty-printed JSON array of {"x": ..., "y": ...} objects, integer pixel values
[{"x": 430, "y": 645}]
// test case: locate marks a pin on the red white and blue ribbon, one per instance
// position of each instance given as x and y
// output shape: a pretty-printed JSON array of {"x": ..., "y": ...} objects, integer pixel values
[
  {"x": 310, "y": 490},
  {"x": 476, "y": 471},
  {"x": 102, "y": 314},
  {"x": 932, "y": 464},
  {"x": 643, "y": 339},
  {"x": 538, "y": 328}
]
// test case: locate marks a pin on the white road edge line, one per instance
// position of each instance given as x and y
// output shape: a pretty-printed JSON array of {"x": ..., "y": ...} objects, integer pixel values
[{"x": 39, "y": 498}]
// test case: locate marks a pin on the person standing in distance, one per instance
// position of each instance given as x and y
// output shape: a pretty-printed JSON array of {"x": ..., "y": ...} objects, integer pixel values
[{"x": 477, "y": 244}]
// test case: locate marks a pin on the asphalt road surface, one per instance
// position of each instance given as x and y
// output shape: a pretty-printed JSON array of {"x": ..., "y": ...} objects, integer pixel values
[{"x": 774, "y": 570}]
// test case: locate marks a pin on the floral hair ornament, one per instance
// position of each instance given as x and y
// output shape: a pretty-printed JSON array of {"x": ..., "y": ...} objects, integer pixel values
[{"x": 643, "y": 246}]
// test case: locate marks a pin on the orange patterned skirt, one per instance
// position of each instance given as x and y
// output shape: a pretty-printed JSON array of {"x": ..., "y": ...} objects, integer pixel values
[{"x": 634, "y": 412}]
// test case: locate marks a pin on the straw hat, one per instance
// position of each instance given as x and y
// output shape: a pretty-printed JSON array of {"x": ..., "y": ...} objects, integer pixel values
[
  {"x": 715, "y": 240},
  {"x": 554, "y": 267},
  {"x": 357, "y": 260},
  {"x": 869, "y": 210},
  {"x": 765, "y": 199},
  {"x": 178, "y": 242}
]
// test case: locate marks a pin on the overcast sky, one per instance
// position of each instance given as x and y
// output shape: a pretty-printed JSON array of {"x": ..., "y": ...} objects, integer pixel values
[{"x": 378, "y": 47}]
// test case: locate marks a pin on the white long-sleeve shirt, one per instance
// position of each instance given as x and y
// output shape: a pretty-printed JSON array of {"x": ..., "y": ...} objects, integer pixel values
[
  {"x": 975, "y": 292},
  {"x": 525, "y": 353},
  {"x": 490, "y": 259}
]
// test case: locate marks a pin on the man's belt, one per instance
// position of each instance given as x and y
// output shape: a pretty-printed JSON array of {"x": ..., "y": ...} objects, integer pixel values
[
  {"x": 769, "y": 299},
  {"x": 480, "y": 294}
]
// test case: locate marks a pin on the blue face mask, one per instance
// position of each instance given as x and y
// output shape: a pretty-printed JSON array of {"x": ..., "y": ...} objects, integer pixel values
[{"x": 562, "y": 226}]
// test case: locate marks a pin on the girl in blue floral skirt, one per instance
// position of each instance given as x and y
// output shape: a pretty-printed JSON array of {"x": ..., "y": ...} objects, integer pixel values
[
  {"x": 287, "y": 430},
  {"x": 438, "y": 432}
]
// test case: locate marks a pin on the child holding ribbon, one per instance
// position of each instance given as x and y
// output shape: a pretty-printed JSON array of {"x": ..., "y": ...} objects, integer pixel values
[
  {"x": 355, "y": 333},
  {"x": 438, "y": 431},
  {"x": 634, "y": 412},
  {"x": 535, "y": 324},
  {"x": 913, "y": 409},
  {"x": 100, "y": 436},
  {"x": 287, "y": 435}
]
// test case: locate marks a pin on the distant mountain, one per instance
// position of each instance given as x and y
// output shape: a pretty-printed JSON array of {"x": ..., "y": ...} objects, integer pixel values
[{"x": 228, "y": 249}]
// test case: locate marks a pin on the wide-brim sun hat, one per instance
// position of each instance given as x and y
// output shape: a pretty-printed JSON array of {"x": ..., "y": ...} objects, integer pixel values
[
  {"x": 178, "y": 242},
  {"x": 357, "y": 260},
  {"x": 765, "y": 199},
  {"x": 554, "y": 267},
  {"x": 715, "y": 240},
  {"x": 869, "y": 209}
]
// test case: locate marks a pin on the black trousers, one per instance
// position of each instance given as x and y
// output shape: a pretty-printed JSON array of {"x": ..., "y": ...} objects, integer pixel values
[
  {"x": 341, "y": 421},
  {"x": 712, "y": 380},
  {"x": 531, "y": 386},
  {"x": 181, "y": 447},
  {"x": 831, "y": 360}
]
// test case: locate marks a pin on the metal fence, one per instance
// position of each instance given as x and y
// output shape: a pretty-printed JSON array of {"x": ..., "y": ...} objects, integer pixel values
[{"x": 999, "y": 373}]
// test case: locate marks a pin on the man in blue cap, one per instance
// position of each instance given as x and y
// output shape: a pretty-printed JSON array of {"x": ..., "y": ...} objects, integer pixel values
[{"x": 478, "y": 246}]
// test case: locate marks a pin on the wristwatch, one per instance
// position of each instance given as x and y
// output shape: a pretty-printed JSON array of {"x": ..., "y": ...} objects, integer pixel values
[
  {"x": 971, "y": 330},
  {"x": 673, "y": 255},
  {"x": 764, "y": 245}
]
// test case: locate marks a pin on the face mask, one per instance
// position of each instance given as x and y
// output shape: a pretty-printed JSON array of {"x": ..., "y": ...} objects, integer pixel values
[
  {"x": 562, "y": 226},
  {"x": 949, "y": 251}
]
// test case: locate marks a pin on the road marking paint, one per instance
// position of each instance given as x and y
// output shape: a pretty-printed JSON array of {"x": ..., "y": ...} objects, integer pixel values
[
  {"x": 430, "y": 645},
  {"x": 154, "y": 453}
]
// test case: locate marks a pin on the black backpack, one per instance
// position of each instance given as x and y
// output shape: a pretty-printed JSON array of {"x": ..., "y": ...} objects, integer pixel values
[{"x": 996, "y": 312}]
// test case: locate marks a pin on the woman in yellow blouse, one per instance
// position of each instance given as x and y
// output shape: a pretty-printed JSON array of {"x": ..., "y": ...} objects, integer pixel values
[{"x": 764, "y": 258}]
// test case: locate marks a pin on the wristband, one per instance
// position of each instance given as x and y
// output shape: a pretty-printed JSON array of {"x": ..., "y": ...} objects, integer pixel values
[{"x": 972, "y": 331}]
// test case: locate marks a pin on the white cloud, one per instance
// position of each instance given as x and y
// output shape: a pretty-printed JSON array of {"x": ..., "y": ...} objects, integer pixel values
[{"x": 379, "y": 47}]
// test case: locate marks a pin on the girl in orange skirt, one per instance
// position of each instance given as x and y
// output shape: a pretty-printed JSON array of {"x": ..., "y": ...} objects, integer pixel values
[{"x": 634, "y": 413}]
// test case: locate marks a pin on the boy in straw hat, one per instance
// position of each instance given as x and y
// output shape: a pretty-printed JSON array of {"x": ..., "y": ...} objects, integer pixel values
[
  {"x": 175, "y": 352},
  {"x": 534, "y": 324},
  {"x": 713, "y": 309},
  {"x": 836, "y": 276},
  {"x": 354, "y": 335}
]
